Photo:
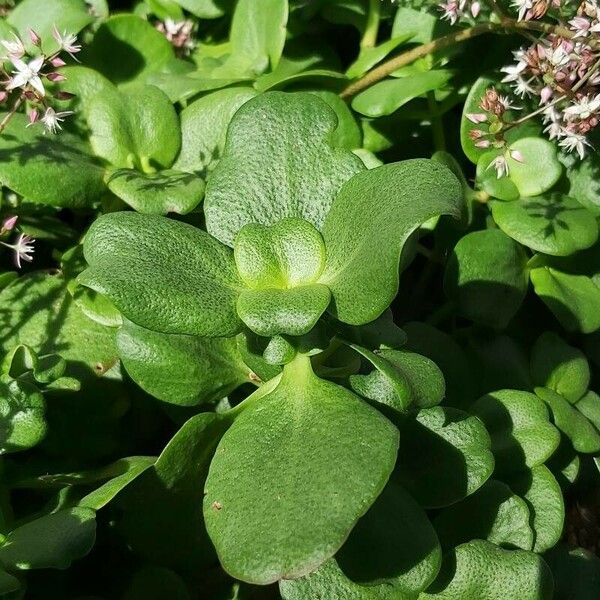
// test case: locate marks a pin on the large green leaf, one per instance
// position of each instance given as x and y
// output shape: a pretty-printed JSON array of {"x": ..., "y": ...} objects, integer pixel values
[
  {"x": 157, "y": 193},
  {"x": 480, "y": 570},
  {"x": 204, "y": 126},
  {"x": 162, "y": 516},
  {"x": 69, "y": 16},
  {"x": 133, "y": 128},
  {"x": 492, "y": 513},
  {"x": 520, "y": 428},
  {"x": 181, "y": 369},
  {"x": 386, "y": 204},
  {"x": 50, "y": 542},
  {"x": 22, "y": 422},
  {"x": 553, "y": 224},
  {"x": 445, "y": 456},
  {"x": 559, "y": 366},
  {"x": 486, "y": 276},
  {"x": 54, "y": 170},
  {"x": 306, "y": 441},
  {"x": 162, "y": 274},
  {"x": 277, "y": 162},
  {"x": 127, "y": 47}
]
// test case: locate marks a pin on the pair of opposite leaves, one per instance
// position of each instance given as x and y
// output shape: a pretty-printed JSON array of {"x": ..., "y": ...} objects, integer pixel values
[{"x": 343, "y": 232}]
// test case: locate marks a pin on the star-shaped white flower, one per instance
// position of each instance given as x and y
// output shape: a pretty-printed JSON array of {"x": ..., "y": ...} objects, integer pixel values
[
  {"x": 23, "y": 249},
  {"x": 53, "y": 119},
  {"x": 66, "y": 41},
  {"x": 27, "y": 74}
]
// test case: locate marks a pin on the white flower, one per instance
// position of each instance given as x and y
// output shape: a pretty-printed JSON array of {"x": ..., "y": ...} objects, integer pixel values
[
  {"x": 66, "y": 41},
  {"x": 27, "y": 74},
  {"x": 53, "y": 119},
  {"x": 513, "y": 72},
  {"x": 522, "y": 87},
  {"x": 14, "y": 48},
  {"x": 584, "y": 108},
  {"x": 580, "y": 25},
  {"x": 572, "y": 141},
  {"x": 23, "y": 249},
  {"x": 501, "y": 166},
  {"x": 522, "y": 6}
]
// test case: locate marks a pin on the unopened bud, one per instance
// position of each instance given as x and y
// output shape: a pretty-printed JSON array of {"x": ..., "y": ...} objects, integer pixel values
[
  {"x": 35, "y": 38},
  {"x": 56, "y": 77},
  {"x": 57, "y": 62}
]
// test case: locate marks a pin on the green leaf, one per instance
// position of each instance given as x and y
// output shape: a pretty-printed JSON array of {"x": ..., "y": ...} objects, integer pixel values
[
  {"x": 480, "y": 569},
  {"x": 133, "y": 128},
  {"x": 162, "y": 517},
  {"x": 127, "y": 48},
  {"x": 520, "y": 428},
  {"x": 553, "y": 224},
  {"x": 393, "y": 543},
  {"x": 305, "y": 441},
  {"x": 583, "y": 180},
  {"x": 487, "y": 178},
  {"x": 471, "y": 106},
  {"x": 589, "y": 406},
  {"x": 492, "y": 513},
  {"x": 370, "y": 57},
  {"x": 191, "y": 284},
  {"x": 132, "y": 467},
  {"x": 30, "y": 160},
  {"x": 422, "y": 25},
  {"x": 560, "y": 367},
  {"x": 69, "y": 16},
  {"x": 347, "y": 134},
  {"x": 543, "y": 495},
  {"x": 181, "y": 369},
  {"x": 157, "y": 193},
  {"x": 205, "y": 9},
  {"x": 445, "y": 456},
  {"x": 388, "y": 96},
  {"x": 539, "y": 170},
  {"x": 583, "y": 435},
  {"x": 204, "y": 126},
  {"x": 22, "y": 416},
  {"x": 576, "y": 573},
  {"x": 387, "y": 203},
  {"x": 293, "y": 311},
  {"x": 487, "y": 277},
  {"x": 50, "y": 542},
  {"x": 573, "y": 298},
  {"x": 257, "y": 36},
  {"x": 278, "y": 162}
]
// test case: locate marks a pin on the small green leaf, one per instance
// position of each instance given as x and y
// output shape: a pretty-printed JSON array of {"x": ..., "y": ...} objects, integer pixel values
[
  {"x": 278, "y": 162},
  {"x": 520, "y": 428},
  {"x": 560, "y": 367},
  {"x": 347, "y": 134},
  {"x": 50, "y": 542},
  {"x": 492, "y": 513},
  {"x": 132, "y": 468},
  {"x": 387, "y": 96},
  {"x": 181, "y": 369},
  {"x": 133, "y": 128},
  {"x": 292, "y": 476},
  {"x": 553, "y": 224},
  {"x": 127, "y": 48},
  {"x": 204, "y": 126},
  {"x": 543, "y": 495},
  {"x": 157, "y": 193},
  {"x": 30, "y": 159},
  {"x": 480, "y": 569},
  {"x": 191, "y": 283},
  {"x": 583, "y": 435},
  {"x": 445, "y": 456},
  {"x": 162, "y": 517},
  {"x": 294, "y": 311},
  {"x": 205, "y": 9},
  {"x": 22, "y": 416},
  {"x": 583, "y": 180},
  {"x": 589, "y": 407},
  {"x": 369, "y": 57},
  {"x": 387, "y": 203},
  {"x": 486, "y": 276}
]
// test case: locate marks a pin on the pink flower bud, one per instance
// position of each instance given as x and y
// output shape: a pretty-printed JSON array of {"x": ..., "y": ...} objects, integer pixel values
[
  {"x": 516, "y": 155},
  {"x": 57, "y": 62},
  {"x": 482, "y": 144},
  {"x": 475, "y": 8},
  {"x": 8, "y": 224},
  {"x": 64, "y": 96},
  {"x": 476, "y": 117},
  {"x": 56, "y": 77},
  {"x": 35, "y": 38},
  {"x": 3, "y": 96},
  {"x": 545, "y": 94},
  {"x": 33, "y": 115}
]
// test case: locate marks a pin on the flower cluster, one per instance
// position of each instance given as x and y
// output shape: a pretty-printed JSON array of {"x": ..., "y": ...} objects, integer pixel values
[
  {"x": 179, "y": 33},
  {"x": 23, "y": 247},
  {"x": 453, "y": 10},
  {"x": 533, "y": 9},
  {"x": 562, "y": 74},
  {"x": 27, "y": 75}
]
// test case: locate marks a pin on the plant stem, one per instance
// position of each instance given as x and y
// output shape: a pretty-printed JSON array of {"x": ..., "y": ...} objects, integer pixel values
[
  {"x": 369, "y": 38},
  {"x": 388, "y": 67},
  {"x": 11, "y": 114}
]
